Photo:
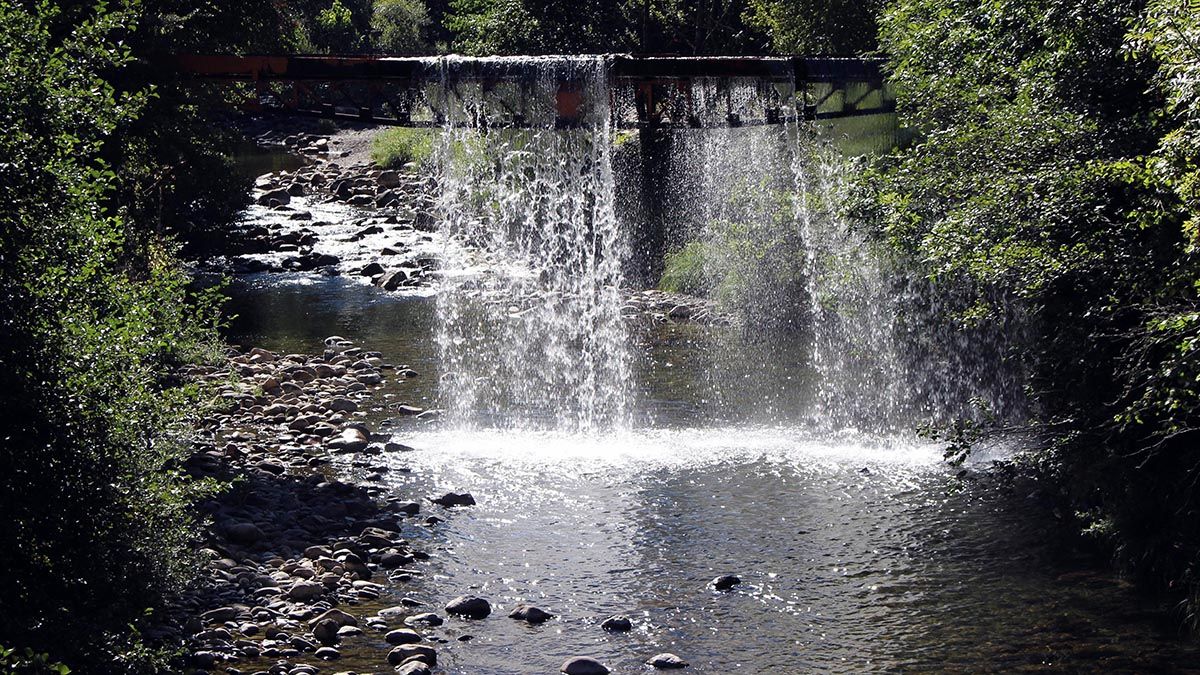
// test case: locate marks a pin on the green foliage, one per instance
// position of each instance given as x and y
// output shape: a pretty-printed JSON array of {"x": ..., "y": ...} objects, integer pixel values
[
  {"x": 94, "y": 320},
  {"x": 27, "y": 662},
  {"x": 394, "y": 148},
  {"x": 399, "y": 26},
  {"x": 334, "y": 29},
  {"x": 1047, "y": 179},
  {"x": 686, "y": 271},
  {"x": 842, "y": 27}
]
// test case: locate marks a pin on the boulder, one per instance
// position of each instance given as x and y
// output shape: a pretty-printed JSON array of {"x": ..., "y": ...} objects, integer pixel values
[
  {"x": 726, "y": 582},
  {"x": 617, "y": 623},
  {"x": 455, "y": 499}
]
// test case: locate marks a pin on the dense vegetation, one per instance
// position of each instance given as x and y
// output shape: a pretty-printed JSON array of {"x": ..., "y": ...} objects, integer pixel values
[
  {"x": 1056, "y": 178},
  {"x": 94, "y": 317}
]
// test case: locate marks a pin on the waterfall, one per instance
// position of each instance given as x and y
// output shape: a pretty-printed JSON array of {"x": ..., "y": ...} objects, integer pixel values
[{"x": 530, "y": 332}]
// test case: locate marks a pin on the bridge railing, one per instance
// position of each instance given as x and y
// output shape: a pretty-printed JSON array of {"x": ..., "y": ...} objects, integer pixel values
[{"x": 643, "y": 91}]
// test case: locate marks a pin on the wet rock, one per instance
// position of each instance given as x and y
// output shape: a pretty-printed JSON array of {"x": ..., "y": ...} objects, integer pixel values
[
  {"x": 413, "y": 668},
  {"x": 371, "y": 269},
  {"x": 278, "y": 196},
  {"x": 326, "y": 631},
  {"x": 392, "y": 280},
  {"x": 455, "y": 499},
  {"x": 425, "y": 619},
  {"x": 327, "y": 654},
  {"x": 336, "y": 615},
  {"x": 726, "y": 582},
  {"x": 581, "y": 665},
  {"x": 530, "y": 613},
  {"x": 402, "y": 636},
  {"x": 469, "y": 606},
  {"x": 343, "y": 405},
  {"x": 666, "y": 661},
  {"x": 351, "y": 440},
  {"x": 405, "y": 652},
  {"x": 618, "y": 623},
  {"x": 388, "y": 179}
]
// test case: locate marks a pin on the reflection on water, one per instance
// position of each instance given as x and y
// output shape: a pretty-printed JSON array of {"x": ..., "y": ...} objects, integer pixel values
[{"x": 857, "y": 553}]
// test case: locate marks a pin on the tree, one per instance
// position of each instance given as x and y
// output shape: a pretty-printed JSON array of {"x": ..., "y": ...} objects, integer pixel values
[{"x": 400, "y": 26}]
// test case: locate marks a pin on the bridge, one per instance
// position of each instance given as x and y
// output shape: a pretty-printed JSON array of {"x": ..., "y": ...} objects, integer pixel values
[{"x": 643, "y": 92}]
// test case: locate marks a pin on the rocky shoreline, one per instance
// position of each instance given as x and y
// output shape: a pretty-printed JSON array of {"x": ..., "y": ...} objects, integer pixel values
[{"x": 293, "y": 553}]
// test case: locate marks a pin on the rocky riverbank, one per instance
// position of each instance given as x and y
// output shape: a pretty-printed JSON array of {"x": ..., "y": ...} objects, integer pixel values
[{"x": 300, "y": 564}]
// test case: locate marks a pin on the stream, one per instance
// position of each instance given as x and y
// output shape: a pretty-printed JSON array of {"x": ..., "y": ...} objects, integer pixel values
[{"x": 856, "y": 552}]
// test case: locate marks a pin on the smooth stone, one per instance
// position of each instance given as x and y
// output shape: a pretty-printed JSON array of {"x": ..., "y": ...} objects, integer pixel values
[
  {"x": 342, "y": 618},
  {"x": 402, "y": 636},
  {"x": 726, "y": 582},
  {"x": 667, "y": 661},
  {"x": 530, "y": 613},
  {"x": 326, "y": 631},
  {"x": 469, "y": 606},
  {"x": 413, "y": 668},
  {"x": 581, "y": 665},
  {"x": 405, "y": 652},
  {"x": 244, "y": 533},
  {"x": 328, "y": 654}
]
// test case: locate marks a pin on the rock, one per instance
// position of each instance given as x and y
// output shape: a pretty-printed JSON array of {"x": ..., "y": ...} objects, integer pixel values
[
  {"x": 408, "y": 508},
  {"x": 243, "y": 533},
  {"x": 326, "y": 631},
  {"x": 666, "y": 661},
  {"x": 351, "y": 440},
  {"x": 402, "y": 636},
  {"x": 371, "y": 269},
  {"x": 530, "y": 613},
  {"x": 455, "y": 499},
  {"x": 278, "y": 196},
  {"x": 426, "y": 619},
  {"x": 303, "y": 591},
  {"x": 393, "y": 280},
  {"x": 405, "y": 652},
  {"x": 219, "y": 615},
  {"x": 337, "y": 615},
  {"x": 726, "y": 582},
  {"x": 388, "y": 179},
  {"x": 617, "y": 624},
  {"x": 413, "y": 668},
  {"x": 327, "y": 654},
  {"x": 581, "y": 665},
  {"x": 469, "y": 606},
  {"x": 343, "y": 405}
]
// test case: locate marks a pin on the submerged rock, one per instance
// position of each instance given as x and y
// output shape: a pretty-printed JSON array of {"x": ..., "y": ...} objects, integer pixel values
[
  {"x": 618, "y": 623},
  {"x": 666, "y": 661},
  {"x": 530, "y": 613},
  {"x": 726, "y": 582},
  {"x": 581, "y": 665}
]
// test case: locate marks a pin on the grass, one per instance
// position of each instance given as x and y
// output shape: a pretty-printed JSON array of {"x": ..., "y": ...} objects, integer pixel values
[{"x": 395, "y": 148}]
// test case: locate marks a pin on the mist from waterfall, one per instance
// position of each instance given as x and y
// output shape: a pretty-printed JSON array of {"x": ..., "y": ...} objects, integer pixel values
[{"x": 530, "y": 332}]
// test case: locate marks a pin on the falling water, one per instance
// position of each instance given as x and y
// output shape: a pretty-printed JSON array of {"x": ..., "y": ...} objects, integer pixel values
[{"x": 531, "y": 335}]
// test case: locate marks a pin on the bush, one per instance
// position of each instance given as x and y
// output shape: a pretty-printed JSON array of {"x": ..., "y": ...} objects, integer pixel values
[
  {"x": 395, "y": 148},
  {"x": 94, "y": 321}
]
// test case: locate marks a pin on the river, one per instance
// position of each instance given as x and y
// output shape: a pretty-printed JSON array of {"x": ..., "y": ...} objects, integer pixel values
[{"x": 856, "y": 552}]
